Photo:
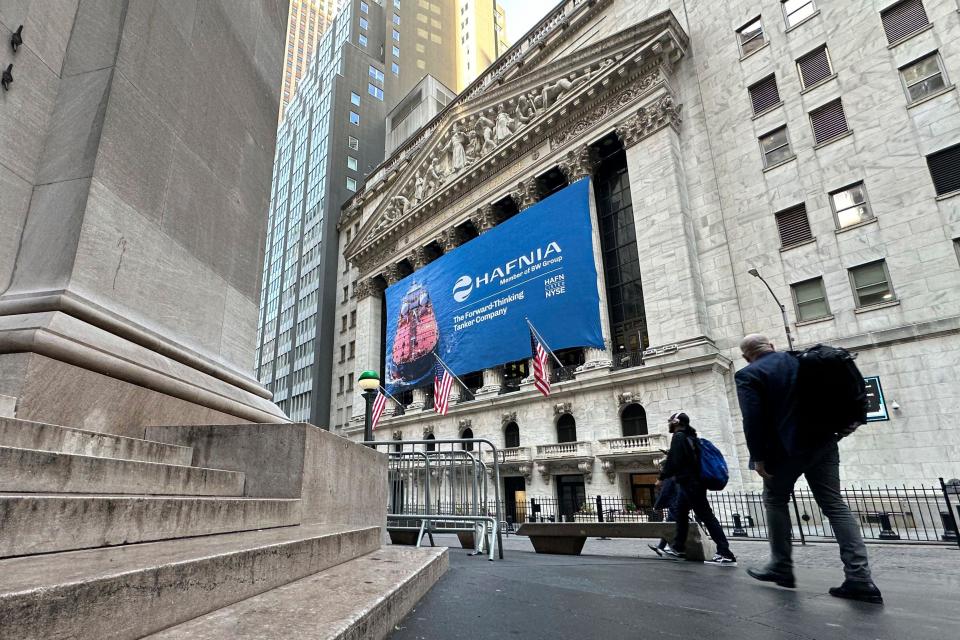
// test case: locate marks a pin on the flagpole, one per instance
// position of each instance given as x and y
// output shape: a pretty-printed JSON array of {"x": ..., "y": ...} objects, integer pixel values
[
  {"x": 390, "y": 396},
  {"x": 450, "y": 371},
  {"x": 544, "y": 342}
]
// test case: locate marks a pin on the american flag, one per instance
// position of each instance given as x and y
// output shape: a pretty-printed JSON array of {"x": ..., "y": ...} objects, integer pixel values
[
  {"x": 442, "y": 383},
  {"x": 379, "y": 405},
  {"x": 541, "y": 375}
]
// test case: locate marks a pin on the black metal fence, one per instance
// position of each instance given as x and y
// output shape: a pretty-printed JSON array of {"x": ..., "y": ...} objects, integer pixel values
[{"x": 905, "y": 514}]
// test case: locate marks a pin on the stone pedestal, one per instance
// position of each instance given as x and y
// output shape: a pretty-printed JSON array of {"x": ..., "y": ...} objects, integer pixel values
[
  {"x": 492, "y": 382},
  {"x": 130, "y": 287},
  {"x": 419, "y": 399}
]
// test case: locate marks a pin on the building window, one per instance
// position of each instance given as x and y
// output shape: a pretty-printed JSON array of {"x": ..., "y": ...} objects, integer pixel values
[
  {"x": 353, "y": 318},
  {"x": 343, "y": 322},
  {"x": 362, "y": 39},
  {"x": 346, "y": 293},
  {"x": 354, "y": 99},
  {"x": 340, "y": 384},
  {"x": 396, "y": 36},
  {"x": 355, "y": 118},
  {"x": 350, "y": 381},
  {"x": 353, "y": 143},
  {"x": 351, "y": 163},
  {"x": 353, "y": 349},
  {"x": 633, "y": 421},
  {"x": 351, "y": 184},
  {"x": 775, "y": 147},
  {"x": 375, "y": 91},
  {"x": 566, "y": 429},
  {"x": 956, "y": 248},
  {"x": 376, "y": 74},
  {"x": 903, "y": 19},
  {"x": 796, "y": 11},
  {"x": 751, "y": 36},
  {"x": 396, "y": 51},
  {"x": 793, "y": 225},
  {"x": 814, "y": 67},
  {"x": 945, "y": 170},
  {"x": 828, "y": 121},
  {"x": 395, "y": 68},
  {"x": 923, "y": 77},
  {"x": 621, "y": 261},
  {"x": 396, "y": 19},
  {"x": 396, "y": 3},
  {"x": 810, "y": 300},
  {"x": 871, "y": 283},
  {"x": 364, "y": 24},
  {"x": 343, "y": 353},
  {"x": 764, "y": 95},
  {"x": 511, "y": 435},
  {"x": 364, "y": 7},
  {"x": 850, "y": 206}
]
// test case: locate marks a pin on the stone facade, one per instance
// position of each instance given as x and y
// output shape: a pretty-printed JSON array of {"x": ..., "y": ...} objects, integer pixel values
[{"x": 667, "y": 82}]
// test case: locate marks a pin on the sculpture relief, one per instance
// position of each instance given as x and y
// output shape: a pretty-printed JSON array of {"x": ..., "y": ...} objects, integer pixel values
[{"x": 504, "y": 127}]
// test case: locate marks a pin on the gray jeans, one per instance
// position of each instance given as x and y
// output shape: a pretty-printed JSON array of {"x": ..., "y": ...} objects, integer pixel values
[{"x": 822, "y": 471}]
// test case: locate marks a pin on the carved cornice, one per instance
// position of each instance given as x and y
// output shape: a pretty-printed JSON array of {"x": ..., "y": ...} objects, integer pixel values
[
  {"x": 367, "y": 287},
  {"x": 650, "y": 119},
  {"x": 484, "y": 219},
  {"x": 561, "y": 408},
  {"x": 418, "y": 258},
  {"x": 508, "y": 417},
  {"x": 450, "y": 238},
  {"x": 526, "y": 194},
  {"x": 391, "y": 273}
]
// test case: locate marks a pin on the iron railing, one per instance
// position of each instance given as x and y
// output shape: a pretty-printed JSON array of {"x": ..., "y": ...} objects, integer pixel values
[{"x": 926, "y": 514}]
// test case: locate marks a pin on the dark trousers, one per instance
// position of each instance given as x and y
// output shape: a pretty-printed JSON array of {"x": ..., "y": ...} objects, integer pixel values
[{"x": 694, "y": 497}]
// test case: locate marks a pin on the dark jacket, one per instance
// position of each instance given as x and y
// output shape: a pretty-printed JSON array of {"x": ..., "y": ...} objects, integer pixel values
[
  {"x": 767, "y": 390},
  {"x": 683, "y": 459}
]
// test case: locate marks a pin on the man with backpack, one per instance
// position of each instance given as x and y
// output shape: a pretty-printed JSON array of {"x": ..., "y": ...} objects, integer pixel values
[
  {"x": 683, "y": 463},
  {"x": 795, "y": 408}
]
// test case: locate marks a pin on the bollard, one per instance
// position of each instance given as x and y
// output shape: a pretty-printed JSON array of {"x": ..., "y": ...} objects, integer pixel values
[
  {"x": 886, "y": 529},
  {"x": 738, "y": 529},
  {"x": 949, "y": 527}
]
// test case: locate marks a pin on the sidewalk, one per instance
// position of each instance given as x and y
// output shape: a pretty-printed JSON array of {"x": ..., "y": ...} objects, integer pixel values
[{"x": 613, "y": 593}]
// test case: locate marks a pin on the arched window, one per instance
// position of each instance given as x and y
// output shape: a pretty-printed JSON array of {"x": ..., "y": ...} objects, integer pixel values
[
  {"x": 511, "y": 435},
  {"x": 566, "y": 428},
  {"x": 431, "y": 446},
  {"x": 467, "y": 433},
  {"x": 633, "y": 421}
]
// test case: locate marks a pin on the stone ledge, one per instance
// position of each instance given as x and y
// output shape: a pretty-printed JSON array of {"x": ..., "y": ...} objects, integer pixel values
[{"x": 901, "y": 334}]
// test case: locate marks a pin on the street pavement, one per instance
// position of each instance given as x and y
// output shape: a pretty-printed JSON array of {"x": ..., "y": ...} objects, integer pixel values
[{"x": 618, "y": 590}]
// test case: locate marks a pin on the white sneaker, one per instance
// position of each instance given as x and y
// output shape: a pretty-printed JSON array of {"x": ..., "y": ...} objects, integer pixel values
[
  {"x": 657, "y": 550},
  {"x": 670, "y": 554},
  {"x": 722, "y": 561}
]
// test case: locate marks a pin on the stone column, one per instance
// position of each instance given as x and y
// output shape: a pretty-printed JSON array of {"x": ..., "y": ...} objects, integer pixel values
[
  {"x": 419, "y": 399},
  {"x": 576, "y": 165},
  {"x": 369, "y": 294},
  {"x": 484, "y": 220},
  {"x": 666, "y": 243}
]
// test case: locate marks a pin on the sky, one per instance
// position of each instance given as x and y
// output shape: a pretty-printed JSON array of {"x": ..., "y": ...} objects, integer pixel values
[{"x": 523, "y": 14}]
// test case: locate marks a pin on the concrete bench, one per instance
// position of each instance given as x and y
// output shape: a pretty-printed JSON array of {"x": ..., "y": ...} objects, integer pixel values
[{"x": 567, "y": 538}]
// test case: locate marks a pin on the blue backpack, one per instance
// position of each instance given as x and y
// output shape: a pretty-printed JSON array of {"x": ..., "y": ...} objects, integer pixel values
[{"x": 713, "y": 468}]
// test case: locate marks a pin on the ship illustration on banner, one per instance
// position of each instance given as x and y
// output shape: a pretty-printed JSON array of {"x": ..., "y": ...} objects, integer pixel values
[{"x": 416, "y": 337}]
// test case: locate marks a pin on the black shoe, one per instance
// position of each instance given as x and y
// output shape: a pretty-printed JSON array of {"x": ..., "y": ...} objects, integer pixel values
[
  {"x": 862, "y": 591},
  {"x": 781, "y": 579}
]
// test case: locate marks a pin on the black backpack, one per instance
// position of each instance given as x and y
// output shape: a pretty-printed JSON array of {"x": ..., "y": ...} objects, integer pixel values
[{"x": 831, "y": 392}]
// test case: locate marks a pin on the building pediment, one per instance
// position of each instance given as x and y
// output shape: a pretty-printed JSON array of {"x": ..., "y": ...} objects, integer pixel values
[{"x": 478, "y": 137}]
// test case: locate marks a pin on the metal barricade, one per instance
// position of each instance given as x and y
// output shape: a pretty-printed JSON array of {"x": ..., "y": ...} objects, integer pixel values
[{"x": 442, "y": 486}]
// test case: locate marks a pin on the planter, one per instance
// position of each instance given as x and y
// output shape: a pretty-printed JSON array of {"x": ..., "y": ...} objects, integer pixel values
[
  {"x": 467, "y": 540},
  {"x": 403, "y": 536}
]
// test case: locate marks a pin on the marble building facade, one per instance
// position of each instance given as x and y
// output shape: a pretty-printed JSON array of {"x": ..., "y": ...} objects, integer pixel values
[{"x": 667, "y": 108}]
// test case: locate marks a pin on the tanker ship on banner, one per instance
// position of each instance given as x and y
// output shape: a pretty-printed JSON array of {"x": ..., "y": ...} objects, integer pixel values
[{"x": 417, "y": 336}]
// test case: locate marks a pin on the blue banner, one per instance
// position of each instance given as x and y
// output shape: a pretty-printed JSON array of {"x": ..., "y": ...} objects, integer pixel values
[{"x": 470, "y": 306}]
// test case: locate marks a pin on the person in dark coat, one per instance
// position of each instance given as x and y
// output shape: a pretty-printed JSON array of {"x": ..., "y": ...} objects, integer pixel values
[
  {"x": 683, "y": 464},
  {"x": 780, "y": 453}
]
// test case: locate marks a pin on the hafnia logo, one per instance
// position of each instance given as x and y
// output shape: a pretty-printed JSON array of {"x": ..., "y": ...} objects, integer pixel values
[
  {"x": 462, "y": 288},
  {"x": 539, "y": 257}
]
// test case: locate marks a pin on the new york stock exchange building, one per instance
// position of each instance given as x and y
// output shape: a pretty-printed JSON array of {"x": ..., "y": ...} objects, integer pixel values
[{"x": 676, "y": 157}]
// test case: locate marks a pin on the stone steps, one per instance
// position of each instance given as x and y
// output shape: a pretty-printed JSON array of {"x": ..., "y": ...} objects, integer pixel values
[
  {"x": 39, "y": 436},
  {"x": 31, "y": 524},
  {"x": 32, "y": 471},
  {"x": 132, "y": 591},
  {"x": 362, "y": 599}
]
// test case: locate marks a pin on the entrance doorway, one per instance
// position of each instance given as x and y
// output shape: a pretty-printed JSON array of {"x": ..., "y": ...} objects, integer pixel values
[
  {"x": 571, "y": 495},
  {"x": 515, "y": 499},
  {"x": 642, "y": 489}
]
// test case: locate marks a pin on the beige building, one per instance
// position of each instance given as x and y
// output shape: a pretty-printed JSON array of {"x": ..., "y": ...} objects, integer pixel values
[
  {"x": 306, "y": 22},
  {"x": 818, "y": 144},
  {"x": 482, "y": 34}
]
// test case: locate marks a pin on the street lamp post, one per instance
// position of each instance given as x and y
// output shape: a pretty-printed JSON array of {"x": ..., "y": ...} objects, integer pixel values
[
  {"x": 369, "y": 381},
  {"x": 783, "y": 309}
]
